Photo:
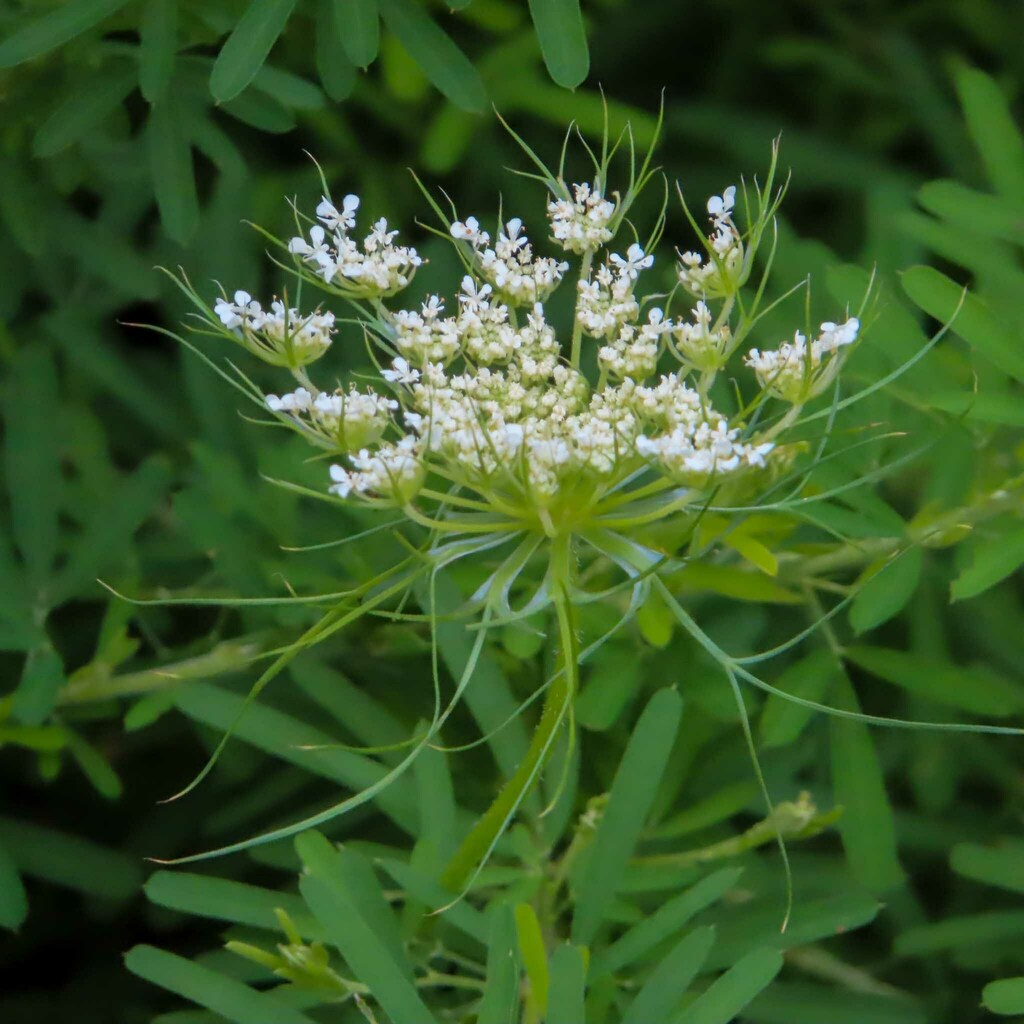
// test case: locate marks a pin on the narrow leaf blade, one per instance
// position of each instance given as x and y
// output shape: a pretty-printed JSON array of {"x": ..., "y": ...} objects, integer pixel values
[
  {"x": 563, "y": 40},
  {"x": 248, "y": 46},
  {"x": 208, "y": 988},
  {"x": 441, "y": 60},
  {"x": 735, "y": 989},
  {"x": 632, "y": 793},
  {"x": 158, "y": 44},
  {"x": 58, "y": 26}
]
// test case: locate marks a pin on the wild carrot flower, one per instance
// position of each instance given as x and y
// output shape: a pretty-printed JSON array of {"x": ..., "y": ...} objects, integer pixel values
[{"x": 499, "y": 429}]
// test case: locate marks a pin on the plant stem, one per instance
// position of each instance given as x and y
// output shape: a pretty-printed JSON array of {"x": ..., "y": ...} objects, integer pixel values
[
  {"x": 577, "y": 327},
  {"x": 229, "y": 656},
  {"x": 476, "y": 847}
]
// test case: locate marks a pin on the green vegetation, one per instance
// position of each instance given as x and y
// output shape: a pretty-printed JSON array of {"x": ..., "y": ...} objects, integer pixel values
[{"x": 643, "y": 877}]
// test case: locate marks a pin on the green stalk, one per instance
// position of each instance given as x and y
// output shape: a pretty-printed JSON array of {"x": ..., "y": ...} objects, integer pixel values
[
  {"x": 476, "y": 847},
  {"x": 577, "y": 327},
  {"x": 228, "y": 656}
]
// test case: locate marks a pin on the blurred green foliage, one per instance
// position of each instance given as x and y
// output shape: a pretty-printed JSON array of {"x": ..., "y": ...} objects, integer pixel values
[{"x": 142, "y": 133}]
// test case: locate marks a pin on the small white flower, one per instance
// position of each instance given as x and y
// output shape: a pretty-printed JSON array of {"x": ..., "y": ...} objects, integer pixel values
[
  {"x": 512, "y": 236},
  {"x": 379, "y": 237},
  {"x": 227, "y": 314},
  {"x": 721, "y": 207},
  {"x": 334, "y": 220},
  {"x": 581, "y": 225},
  {"x": 401, "y": 372},
  {"x": 300, "y": 400},
  {"x": 469, "y": 231},
  {"x": 315, "y": 250},
  {"x": 342, "y": 485},
  {"x": 634, "y": 261}
]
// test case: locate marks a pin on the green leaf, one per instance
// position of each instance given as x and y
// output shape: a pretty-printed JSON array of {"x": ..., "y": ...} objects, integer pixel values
[
  {"x": 995, "y": 216},
  {"x": 40, "y": 683},
  {"x": 942, "y": 298},
  {"x": 351, "y": 706},
  {"x": 489, "y": 699},
  {"x": 95, "y": 767},
  {"x": 288, "y": 89},
  {"x": 982, "y": 408},
  {"x": 887, "y": 592},
  {"x": 436, "y": 800},
  {"x": 980, "y": 690},
  {"x": 442, "y": 61},
  {"x": 60, "y": 25},
  {"x": 158, "y": 44},
  {"x": 755, "y": 924},
  {"x": 75, "y": 119},
  {"x": 429, "y": 891},
  {"x": 734, "y": 990},
  {"x": 357, "y": 24},
  {"x": 170, "y": 163},
  {"x": 261, "y": 111},
  {"x": 612, "y": 683},
  {"x": 568, "y": 983},
  {"x": 70, "y": 861},
  {"x": 668, "y": 982},
  {"x": 13, "y": 901},
  {"x": 1001, "y": 865},
  {"x": 501, "y": 990},
  {"x": 211, "y": 989},
  {"x": 348, "y": 872},
  {"x": 333, "y": 64},
  {"x": 804, "y": 1003},
  {"x": 106, "y": 539},
  {"x": 534, "y": 958},
  {"x": 733, "y": 582},
  {"x": 1004, "y": 997},
  {"x": 32, "y": 459},
  {"x": 148, "y": 709},
  {"x": 992, "y": 561},
  {"x": 998, "y": 926},
  {"x": 655, "y": 621},
  {"x": 810, "y": 678},
  {"x": 992, "y": 127},
  {"x": 248, "y": 46},
  {"x": 223, "y": 900},
  {"x": 283, "y": 736},
  {"x": 369, "y": 959},
  {"x": 563, "y": 40},
  {"x": 867, "y": 827},
  {"x": 632, "y": 793},
  {"x": 666, "y": 921}
]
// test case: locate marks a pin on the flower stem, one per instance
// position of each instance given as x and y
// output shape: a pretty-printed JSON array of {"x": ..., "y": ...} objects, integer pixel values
[
  {"x": 476, "y": 847},
  {"x": 228, "y": 656},
  {"x": 577, "y": 326}
]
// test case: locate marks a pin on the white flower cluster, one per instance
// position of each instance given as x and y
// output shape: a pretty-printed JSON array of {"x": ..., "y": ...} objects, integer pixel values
[
  {"x": 720, "y": 273},
  {"x": 635, "y": 351},
  {"x": 427, "y": 336},
  {"x": 580, "y": 224},
  {"x": 605, "y": 301},
  {"x": 485, "y": 402},
  {"x": 280, "y": 335},
  {"x": 380, "y": 268},
  {"x": 796, "y": 371},
  {"x": 697, "y": 344},
  {"x": 524, "y": 433},
  {"x": 346, "y": 420},
  {"x": 510, "y": 267},
  {"x": 395, "y": 469}
]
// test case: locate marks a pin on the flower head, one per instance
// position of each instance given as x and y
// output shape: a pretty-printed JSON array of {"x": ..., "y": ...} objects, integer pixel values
[
  {"x": 484, "y": 395},
  {"x": 797, "y": 371},
  {"x": 581, "y": 224}
]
